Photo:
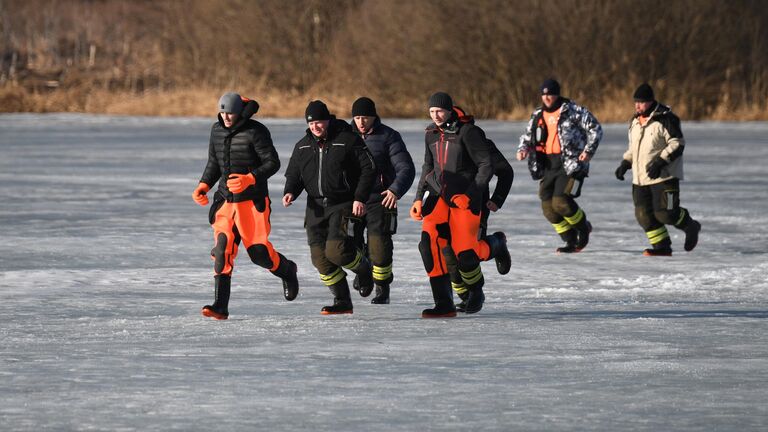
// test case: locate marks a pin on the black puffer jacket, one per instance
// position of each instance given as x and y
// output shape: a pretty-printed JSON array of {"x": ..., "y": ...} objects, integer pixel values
[
  {"x": 334, "y": 170},
  {"x": 457, "y": 160},
  {"x": 394, "y": 166},
  {"x": 244, "y": 148}
]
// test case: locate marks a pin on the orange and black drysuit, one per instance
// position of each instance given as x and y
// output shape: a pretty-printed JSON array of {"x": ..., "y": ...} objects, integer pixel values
[
  {"x": 456, "y": 171},
  {"x": 335, "y": 171},
  {"x": 244, "y": 148}
]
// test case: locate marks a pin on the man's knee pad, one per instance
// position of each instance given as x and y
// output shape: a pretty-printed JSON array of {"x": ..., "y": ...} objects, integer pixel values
[
  {"x": 335, "y": 252},
  {"x": 549, "y": 213},
  {"x": 260, "y": 256},
  {"x": 380, "y": 249},
  {"x": 218, "y": 253},
  {"x": 319, "y": 260},
  {"x": 667, "y": 217},
  {"x": 562, "y": 205},
  {"x": 467, "y": 260},
  {"x": 646, "y": 219},
  {"x": 425, "y": 249}
]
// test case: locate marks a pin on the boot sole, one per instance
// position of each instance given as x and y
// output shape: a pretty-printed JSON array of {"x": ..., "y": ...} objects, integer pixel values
[
  {"x": 445, "y": 315},
  {"x": 651, "y": 254},
  {"x": 212, "y": 314},
  {"x": 346, "y": 312}
]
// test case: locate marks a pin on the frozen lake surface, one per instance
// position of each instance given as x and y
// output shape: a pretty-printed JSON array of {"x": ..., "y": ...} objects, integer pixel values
[{"x": 105, "y": 265}]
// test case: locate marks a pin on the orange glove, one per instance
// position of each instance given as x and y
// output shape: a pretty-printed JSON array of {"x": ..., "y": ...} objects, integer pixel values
[
  {"x": 240, "y": 182},
  {"x": 199, "y": 195},
  {"x": 416, "y": 211},
  {"x": 461, "y": 201}
]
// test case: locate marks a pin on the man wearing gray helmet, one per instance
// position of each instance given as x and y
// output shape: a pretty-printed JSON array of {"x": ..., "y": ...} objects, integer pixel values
[{"x": 241, "y": 157}]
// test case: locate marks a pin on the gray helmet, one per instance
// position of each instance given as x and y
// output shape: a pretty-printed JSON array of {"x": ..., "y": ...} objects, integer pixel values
[{"x": 231, "y": 103}]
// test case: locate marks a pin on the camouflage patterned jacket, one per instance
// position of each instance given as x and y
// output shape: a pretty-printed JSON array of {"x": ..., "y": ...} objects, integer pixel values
[{"x": 578, "y": 130}]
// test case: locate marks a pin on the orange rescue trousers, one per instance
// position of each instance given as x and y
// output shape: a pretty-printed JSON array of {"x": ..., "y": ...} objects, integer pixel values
[
  {"x": 243, "y": 221},
  {"x": 444, "y": 225}
]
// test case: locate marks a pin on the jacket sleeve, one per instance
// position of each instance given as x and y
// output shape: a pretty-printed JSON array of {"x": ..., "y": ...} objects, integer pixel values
[
  {"x": 212, "y": 171},
  {"x": 401, "y": 160},
  {"x": 674, "y": 137},
  {"x": 426, "y": 168},
  {"x": 505, "y": 176},
  {"x": 265, "y": 150},
  {"x": 363, "y": 158},
  {"x": 593, "y": 129},
  {"x": 294, "y": 184},
  {"x": 480, "y": 152},
  {"x": 527, "y": 136}
]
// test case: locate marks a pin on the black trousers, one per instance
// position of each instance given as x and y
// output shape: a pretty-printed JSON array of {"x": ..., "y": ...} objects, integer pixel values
[
  {"x": 373, "y": 234},
  {"x": 328, "y": 235},
  {"x": 658, "y": 204}
]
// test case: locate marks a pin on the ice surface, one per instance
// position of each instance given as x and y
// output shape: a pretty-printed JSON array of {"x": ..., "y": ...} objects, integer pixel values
[{"x": 104, "y": 266}]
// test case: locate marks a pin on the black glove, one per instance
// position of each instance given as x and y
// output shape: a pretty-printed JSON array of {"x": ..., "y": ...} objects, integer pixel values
[
  {"x": 655, "y": 166},
  {"x": 622, "y": 169},
  {"x": 579, "y": 175}
]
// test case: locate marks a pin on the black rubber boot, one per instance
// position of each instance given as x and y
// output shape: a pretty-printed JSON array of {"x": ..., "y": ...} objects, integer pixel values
[
  {"x": 342, "y": 303},
  {"x": 464, "y": 296},
  {"x": 662, "y": 248},
  {"x": 221, "y": 289},
  {"x": 382, "y": 294},
  {"x": 441, "y": 292},
  {"x": 287, "y": 272},
  {"x": 363, "y": 277},
  {"x": 499, "y": 251},
  {"x": 583, "y": 230},
  {"x": 475, "y": 299},
  {"x": 569, "y": 237},
  {"x": 692, "y": 235}
]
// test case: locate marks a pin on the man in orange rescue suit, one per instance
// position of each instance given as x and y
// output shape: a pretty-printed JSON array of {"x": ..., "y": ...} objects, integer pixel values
[
  {"x": 334, "y": 166},
  {"x": 456, "y": 171},
  {"x": 559, "y": 142},
  {"x": 241, "y": 157},
  {"x": 655, "y": 155}
]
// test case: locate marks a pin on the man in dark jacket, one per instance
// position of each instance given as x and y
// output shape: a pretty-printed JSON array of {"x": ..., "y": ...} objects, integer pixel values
[
  {"x": 457, "y": 168},
  {"x": 335, "y": 168},
  {"x": 394, "y": 175},
  {"x": 241, "y": 157}
]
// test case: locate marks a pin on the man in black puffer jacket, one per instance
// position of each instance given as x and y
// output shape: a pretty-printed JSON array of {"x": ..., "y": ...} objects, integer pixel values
[
  {"x": 241, "y": 157},
  {"x": 335, "y": 168},
  {"x": 394, "y": 176}
]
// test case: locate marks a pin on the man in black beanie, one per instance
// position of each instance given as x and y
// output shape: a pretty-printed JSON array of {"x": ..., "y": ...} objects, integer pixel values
[
  {"x": 456, "y": 171},
  {"x": 559, "y": 141},
  {"x": 335, "y": 168},
  {"x": 394, "y": 175},
  {"x": 655, "y": 155}
]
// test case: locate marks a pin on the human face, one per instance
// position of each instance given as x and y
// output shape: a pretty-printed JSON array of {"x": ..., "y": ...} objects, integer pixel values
[
  {"x": 319, "y": 128},
  {"x": 364, "y": 123},
  {"x": 439, "y": 115},
  {"x": 641, "y": 107},
  {"x": 229, "y": 119},
  {"x": 549, "y": 100}
]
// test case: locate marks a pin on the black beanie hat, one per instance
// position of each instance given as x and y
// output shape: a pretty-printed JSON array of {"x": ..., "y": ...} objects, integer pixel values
[
  {"x": 550, "y": 87},
  {"x": 441, "y": 100},
  {"x": 316, "y": 111},
  {"x": 364, "y": 107},
  {"x": 644, "y": 93}
]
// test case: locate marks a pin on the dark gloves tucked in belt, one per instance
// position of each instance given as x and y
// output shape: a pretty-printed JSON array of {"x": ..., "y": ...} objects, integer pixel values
[
  {"x": 655, "y": 166},
  {"x": 622, "y": 169}
]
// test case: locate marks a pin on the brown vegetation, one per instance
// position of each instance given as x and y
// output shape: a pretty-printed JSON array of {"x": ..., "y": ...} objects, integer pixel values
[{"x": 707, "y": 58}]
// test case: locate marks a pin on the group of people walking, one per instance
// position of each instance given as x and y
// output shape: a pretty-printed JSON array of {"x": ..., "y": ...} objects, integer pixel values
[{"x": 355, "y": 173}]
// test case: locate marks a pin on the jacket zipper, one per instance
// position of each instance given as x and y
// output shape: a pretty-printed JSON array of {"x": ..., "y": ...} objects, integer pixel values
[{"x": 320, "y": 173}]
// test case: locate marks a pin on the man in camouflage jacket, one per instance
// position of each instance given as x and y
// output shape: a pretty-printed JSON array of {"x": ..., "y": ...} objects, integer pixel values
[{"x": 559, "y": 141}]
